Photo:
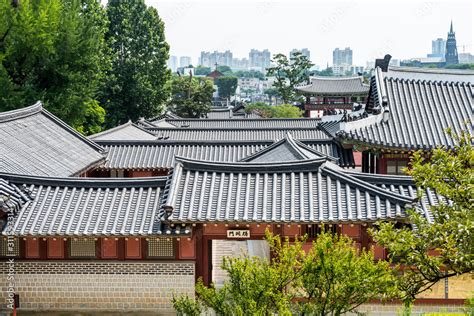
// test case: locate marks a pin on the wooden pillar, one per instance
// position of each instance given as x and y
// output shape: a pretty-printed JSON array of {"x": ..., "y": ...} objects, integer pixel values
[
  {"x": 199, "y": 252},
  {"x": 365, "y": 161},
  {"x": 372, "y": 163},
  {"x": 364, "y": 237}
]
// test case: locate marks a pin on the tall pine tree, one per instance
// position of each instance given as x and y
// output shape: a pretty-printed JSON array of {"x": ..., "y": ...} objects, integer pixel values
[{"x": 136, "y": 84}]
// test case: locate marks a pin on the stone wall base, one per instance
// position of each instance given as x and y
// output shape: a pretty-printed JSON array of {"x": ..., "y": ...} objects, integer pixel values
[{"x": 125, "y": 291}]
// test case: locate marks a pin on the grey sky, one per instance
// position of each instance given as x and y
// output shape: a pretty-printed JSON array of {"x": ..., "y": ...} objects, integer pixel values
[{"x": 402, "y": 28}]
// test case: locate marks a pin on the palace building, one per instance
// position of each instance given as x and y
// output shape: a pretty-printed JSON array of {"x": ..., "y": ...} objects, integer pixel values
[
  {"x": 127, "y": 218},
  {"x": 330, "y": 95}
]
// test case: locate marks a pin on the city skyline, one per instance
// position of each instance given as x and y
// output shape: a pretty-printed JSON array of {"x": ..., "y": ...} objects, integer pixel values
[{"x": 374, "y": 29}]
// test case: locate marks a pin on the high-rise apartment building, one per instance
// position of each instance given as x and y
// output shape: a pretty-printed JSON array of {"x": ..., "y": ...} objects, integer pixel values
[
  {"x": 304, "y": 52},
  {"x": 438, "y": 48},
  {"x": 342, "y": 56},
  {"x": 210, "y": 59},
  {"x": 185, "y": 61},
  {"x": 259, "y": 60}
]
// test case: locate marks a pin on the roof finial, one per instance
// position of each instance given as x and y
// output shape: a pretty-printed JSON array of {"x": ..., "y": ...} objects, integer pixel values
[
  {"x": 451, "y": 30},
  {"x": 383, "y": 63}
]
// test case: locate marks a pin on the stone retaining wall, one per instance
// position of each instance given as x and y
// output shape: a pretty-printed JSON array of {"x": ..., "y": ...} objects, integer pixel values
[{"x": 60, "y": 285}]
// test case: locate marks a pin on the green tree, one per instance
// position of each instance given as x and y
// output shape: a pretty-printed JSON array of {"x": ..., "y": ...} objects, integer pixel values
[
  {"x": 441, "y": 248},
  {"x": 54, "y": 51},
  {"x": 286, "y": 111},
  {"x": 337, "y": 280},
  {"x": 202, "y": 71},
  {"x": 190, "y": 97},
  {"x": 325, "y": 73},
  {"x": 261, "y": 108},
  {"x": 271, "y": 93},
  {"x": 460, "y": 66},
  {"x": 224, "y": 69},
  {"x": 275, "y": 111},
  {"x": 226, "y": 86},
  {"x": 330, "y": 279},
  {"x": 289, "y": 74},
  {"x": 136, "y": 84},
  {"x": 249, "y": 74}
]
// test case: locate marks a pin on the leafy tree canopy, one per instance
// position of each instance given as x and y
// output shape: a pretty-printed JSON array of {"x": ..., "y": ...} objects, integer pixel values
[
  {"x": 190, "y": 97},
  {"x": 287, "y": 111},
  {"x": 226, "y": 86},
  {"x": 226, "y": 70},
  {"x": 460, "y": 66},
  {"x": 275, "y": 111},
  {"x": 444, "y": 247},
  {"x": 54, "y": 51},
  {"x": 289, "y": 73},
  {"x": 330, "y": 279},
  {"x": 202, "y": 71},
  {"x": 325, "y": 73},
  {"x": 136, "y": 84},
  {"x": 249, "y": 74}
]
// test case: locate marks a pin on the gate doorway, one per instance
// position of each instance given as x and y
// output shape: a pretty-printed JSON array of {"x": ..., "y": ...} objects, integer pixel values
[{"x": 221, "y": 248}]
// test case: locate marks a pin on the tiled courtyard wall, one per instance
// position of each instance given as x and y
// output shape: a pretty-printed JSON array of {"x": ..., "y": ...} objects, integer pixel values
[{"x": 99, "y": 285}]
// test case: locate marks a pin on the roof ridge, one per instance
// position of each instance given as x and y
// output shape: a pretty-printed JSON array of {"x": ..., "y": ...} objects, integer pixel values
[
  {"x": 382, "y": 178},
  {"x": 39, "y": 108},
  {"x": 73, "y": 131},
  {"x": 366, "y": 185},
  {"x": 360, "y": 78},
  {"x": 295, "y": 145},
  {"x": 247, "y": 119},
  {"x": 234, "y": 128},
  {"x": 122, "y": 126},
  {"x": 289, "y": 139},
  {"x": 21, "y": 112},
  {"x": 241, "y": 167},
  {"x": 84, "y": 182},
  {"x": 432, "y": 70}
]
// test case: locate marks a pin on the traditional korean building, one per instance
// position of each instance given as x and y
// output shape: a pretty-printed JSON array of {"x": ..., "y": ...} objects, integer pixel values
[
  {"x": 35, "y": 142},
  {"x": 408, "y": 109},
  {"x": 160, "y": 201},
  {"x": 331, "y": 95}
]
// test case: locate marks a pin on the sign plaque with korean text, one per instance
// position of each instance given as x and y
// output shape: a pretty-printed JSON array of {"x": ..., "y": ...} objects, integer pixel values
[{"x": 238, "y": 233}]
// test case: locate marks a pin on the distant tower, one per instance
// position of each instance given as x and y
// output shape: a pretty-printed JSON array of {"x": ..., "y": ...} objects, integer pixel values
[{"x": 451, "y": 50}]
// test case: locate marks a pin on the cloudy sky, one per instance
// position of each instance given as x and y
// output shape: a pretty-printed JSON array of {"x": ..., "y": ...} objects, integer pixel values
[{"x": 371, "y": 28}]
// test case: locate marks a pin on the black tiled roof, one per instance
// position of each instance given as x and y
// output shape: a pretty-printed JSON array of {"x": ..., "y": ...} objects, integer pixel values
[
  {"x": 238, "y": 134},
  {"x": 35, "y": 142},
  {"x": 12, "y": 197},
  {"x": 287, "y": 149},
  {"x": 90, "y": 207},
  {"x": 419, "y": 106},
  {"x": 308, "y": 191},
  {"x": 333, "y": 86},
  {"x": 246, "y": 123},
  {"x": 161, "y": 154},
  {"x": 127, "y": 131}
]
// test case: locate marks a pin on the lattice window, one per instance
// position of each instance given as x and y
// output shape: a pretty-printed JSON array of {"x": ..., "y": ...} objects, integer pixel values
[
  {"x": 160, "y": 248},
  {"x": 9, "y": 247},
  {"x": 314, "y": 230},
  {"x": 84, "y": 248}
]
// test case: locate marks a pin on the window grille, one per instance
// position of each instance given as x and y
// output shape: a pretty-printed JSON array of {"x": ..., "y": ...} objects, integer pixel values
[
  {"x": 160, "y": 248},
  {"x": 9, "y": 250},
  {"x": 314, "y": 230},
  {"x": 81, "y": 247}
]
